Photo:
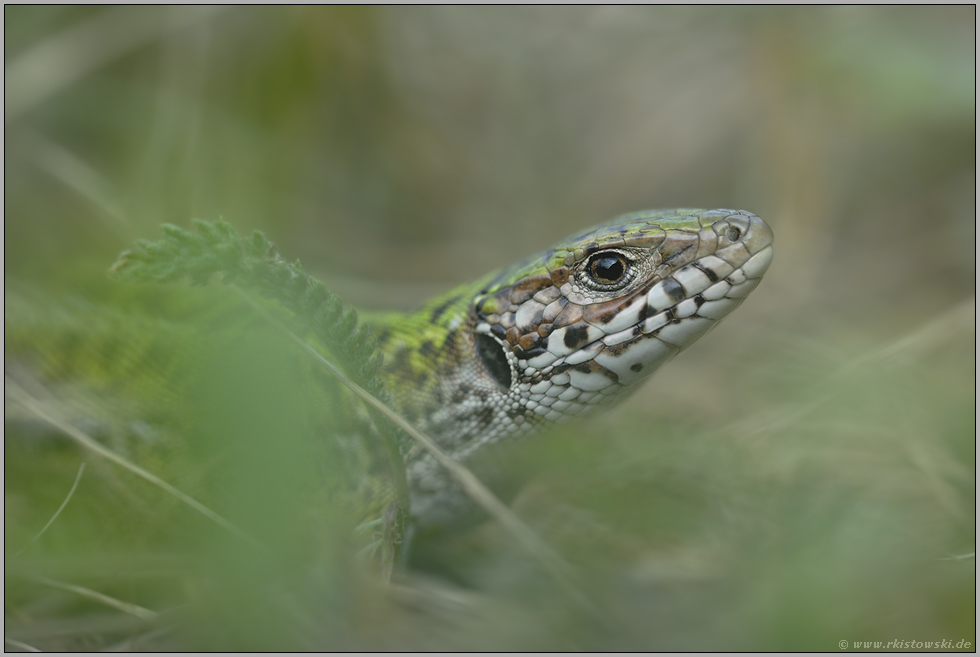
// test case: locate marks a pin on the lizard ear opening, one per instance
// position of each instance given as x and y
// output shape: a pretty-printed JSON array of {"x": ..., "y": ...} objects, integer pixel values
[{"x": 491, "y": 352}]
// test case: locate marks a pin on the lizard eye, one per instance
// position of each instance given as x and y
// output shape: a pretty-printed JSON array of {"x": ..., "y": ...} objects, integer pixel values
[{"x": 607, "y": 268}]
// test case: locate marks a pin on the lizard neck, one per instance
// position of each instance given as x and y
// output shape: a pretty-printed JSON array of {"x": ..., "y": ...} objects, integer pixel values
[{"x": 431, "y": 366}]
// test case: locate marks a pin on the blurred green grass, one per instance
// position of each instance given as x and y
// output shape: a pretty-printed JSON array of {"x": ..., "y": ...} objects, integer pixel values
[{"x": 804, "y": 475}]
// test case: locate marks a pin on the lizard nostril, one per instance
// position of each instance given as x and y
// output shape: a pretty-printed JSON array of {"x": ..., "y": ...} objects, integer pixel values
[{"x": 733, "y": 234}]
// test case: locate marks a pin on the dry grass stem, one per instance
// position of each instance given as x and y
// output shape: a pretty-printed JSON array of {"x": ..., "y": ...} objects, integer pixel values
[
  {"x": 33, "y": 405},
  {"x": 127, "y": 607},
  {"x": 78, "y": 478}
]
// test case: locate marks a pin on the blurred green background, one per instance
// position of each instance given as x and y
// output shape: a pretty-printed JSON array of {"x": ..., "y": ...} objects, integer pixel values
[{"x": 804, "y": 475}]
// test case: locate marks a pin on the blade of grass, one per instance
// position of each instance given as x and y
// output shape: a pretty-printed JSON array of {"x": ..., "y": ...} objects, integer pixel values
[
  {"x": 33, "y": 405},
  {"x": 20, "y": 644},
  {"x": 955, "y": 321},
  {"x": 127, "y": 607},
  {"x": 132, "y": 644},
  {"x": 58, "y": 61},
  {"x": 78, "y": 478},
  {"x": 81, "y": 177}
]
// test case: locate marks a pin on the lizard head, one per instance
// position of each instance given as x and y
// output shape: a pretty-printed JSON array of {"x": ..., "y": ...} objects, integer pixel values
[{"x": 584, "y": 323}]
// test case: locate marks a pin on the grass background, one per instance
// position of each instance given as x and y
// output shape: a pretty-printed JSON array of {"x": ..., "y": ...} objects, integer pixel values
[{"x": 805, "y": 475}]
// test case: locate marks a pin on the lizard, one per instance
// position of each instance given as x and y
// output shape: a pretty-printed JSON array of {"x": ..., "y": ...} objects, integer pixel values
[{"x": 560, "y": 335}]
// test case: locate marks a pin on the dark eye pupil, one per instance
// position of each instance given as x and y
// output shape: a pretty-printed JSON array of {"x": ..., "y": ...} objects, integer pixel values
[{"x": 608, "y": 269}]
